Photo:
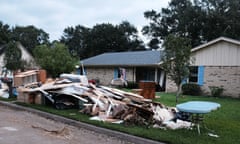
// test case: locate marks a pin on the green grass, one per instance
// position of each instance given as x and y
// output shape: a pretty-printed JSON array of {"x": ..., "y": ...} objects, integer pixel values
[
  {"x": 8, "y": 99},
  {"x": 224, "y": 121}
]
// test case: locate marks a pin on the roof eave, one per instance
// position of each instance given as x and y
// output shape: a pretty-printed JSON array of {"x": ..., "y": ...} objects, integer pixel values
[
  {"x": 215, "y": 41},
  {"x": 124, "y": 65}
]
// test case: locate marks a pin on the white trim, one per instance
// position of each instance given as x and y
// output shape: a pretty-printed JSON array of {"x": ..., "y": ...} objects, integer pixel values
[
  {"x": 215, "y": 41},
  {"x": 156, "y": 74}
]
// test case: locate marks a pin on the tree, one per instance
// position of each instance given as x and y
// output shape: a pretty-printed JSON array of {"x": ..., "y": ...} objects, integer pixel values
[
  {"x": 180, "y": 17},
  {"x": 5, "y": 32},
  {"x": 12, "y": 57},
  {"x": 75, "y": 39},
  {"x": 131, "y": 34},
  {"x": 87, "y": 42},
  {"x": 55, "y": 59},
  {"x": 106, "y": 38},
  {"x": 222, "y": 18},
  {"x": 30, "y": 36},
  {"x": 176, "y": 59},
  {"x": 198, "y": 20}
]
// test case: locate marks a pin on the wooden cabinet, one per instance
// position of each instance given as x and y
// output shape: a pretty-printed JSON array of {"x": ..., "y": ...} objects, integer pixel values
[{"x": 148, "y": 89}]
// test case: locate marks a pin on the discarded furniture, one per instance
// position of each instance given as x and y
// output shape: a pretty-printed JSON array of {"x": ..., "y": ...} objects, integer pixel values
[
  {"x": 29, "y": 77},
  {"x": 42, "y": 76},
  {"x": 197, "y": 109},
  {"x": 25, "y": 78},
  {"x": 30, "y": 98},
  {"x": 148, "y": 89}
]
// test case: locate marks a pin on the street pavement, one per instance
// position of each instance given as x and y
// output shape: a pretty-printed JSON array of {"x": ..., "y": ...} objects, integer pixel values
[
  {"x": 21, "y": 127},
  {"x": 26, "y": 126}
]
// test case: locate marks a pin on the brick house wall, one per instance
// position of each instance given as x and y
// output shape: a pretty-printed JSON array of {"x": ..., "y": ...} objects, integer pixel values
[
  {"x": 106, "y": 74},
  {"x": 170, "y": 86},
  {"x": 227, "y": 77},
  {"x": 218, "y": 63}
]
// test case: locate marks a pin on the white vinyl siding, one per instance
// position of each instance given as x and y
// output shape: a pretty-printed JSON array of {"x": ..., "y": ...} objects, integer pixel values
[{"x": 220, "y": 54}]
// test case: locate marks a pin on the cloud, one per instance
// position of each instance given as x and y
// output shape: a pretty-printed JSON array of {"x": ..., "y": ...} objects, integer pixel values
[{"x": 53, "y": 16}]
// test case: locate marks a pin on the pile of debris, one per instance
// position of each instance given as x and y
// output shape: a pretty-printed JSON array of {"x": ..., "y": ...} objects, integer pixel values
[{"x": 106, "y": 104}]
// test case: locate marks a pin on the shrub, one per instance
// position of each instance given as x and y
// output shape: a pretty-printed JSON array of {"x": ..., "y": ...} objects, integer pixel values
[
  {"x": 191, "y": 89},
  {"x": 131, "y": 85},
  {"x": 216, "y": 91}
]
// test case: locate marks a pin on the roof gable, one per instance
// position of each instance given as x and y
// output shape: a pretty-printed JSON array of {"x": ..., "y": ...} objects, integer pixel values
[
  {"x": 214, "y": 42},
  {"x": 19, "y": 46},
  {"x": 26, "y": 56},
  {"x": 219, "y": 52},
  {"x": 134, "y": 58}
]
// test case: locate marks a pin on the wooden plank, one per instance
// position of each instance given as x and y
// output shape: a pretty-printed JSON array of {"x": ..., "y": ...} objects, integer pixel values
[
  {"x": 122, "y": 93},
  {"x": 110, "y": 94},
  {"x": 112, "y": 91}
]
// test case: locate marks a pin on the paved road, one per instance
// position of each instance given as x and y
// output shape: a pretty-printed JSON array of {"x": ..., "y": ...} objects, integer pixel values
[{"x": 21, "y": 127}]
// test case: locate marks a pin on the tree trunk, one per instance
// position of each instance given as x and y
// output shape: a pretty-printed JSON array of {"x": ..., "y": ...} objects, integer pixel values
[{"x": 179, "y": 90}]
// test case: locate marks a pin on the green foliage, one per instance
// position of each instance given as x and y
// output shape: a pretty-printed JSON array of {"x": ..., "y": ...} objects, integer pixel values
[
  {"x": 87, "y": 42},
  {"x": 29, "y": 36},
  {"x": 12, "y": 58},
  {"x": 176, "y": 59},
  {"x": 55, "y": 59},
  {"x": 4, "y": 33},
  {"x": 131, "y": 85},
  {"x": 222, "y": 19},
  {"x": 216, "y": 91},
  {"x": 76, "y": 39},
  {"x": 198, "y": 20},
  {"x": 191, "y": 89}
]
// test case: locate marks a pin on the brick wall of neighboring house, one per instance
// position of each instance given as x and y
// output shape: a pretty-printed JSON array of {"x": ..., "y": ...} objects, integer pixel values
[
  {"x": 227, "y": 77},
  {"x": 170, "y": 86},
  {"x": 106, "y": 75}
]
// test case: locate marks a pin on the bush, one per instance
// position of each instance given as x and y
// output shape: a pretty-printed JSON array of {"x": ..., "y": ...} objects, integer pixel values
[
  {"x": 216, "y": 91},
  {"x": 191, "y": 89},
  {"x": 131, "y": 85}
]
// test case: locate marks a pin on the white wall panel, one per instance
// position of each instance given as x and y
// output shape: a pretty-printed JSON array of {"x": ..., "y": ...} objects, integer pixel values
[{"x": 220, "y": 54}]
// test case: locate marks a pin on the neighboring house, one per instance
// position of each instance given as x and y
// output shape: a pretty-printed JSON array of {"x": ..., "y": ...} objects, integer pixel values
[
  {"x": 26, "y": 56},
  {"x": 216, "y": 63},
  {"x": 132, "y": 66}
]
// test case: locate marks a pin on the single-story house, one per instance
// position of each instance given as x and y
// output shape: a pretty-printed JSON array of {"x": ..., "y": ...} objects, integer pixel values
[
  {"x": 132, "y": 66},
  {"x": 216, "y": 63}
]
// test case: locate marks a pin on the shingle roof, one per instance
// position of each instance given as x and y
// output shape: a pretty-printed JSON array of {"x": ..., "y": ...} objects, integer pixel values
[{"x": 134, "y": 58}]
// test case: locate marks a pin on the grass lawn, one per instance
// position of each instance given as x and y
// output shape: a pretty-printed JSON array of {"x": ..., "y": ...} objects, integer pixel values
[{"x": 224, "y": 121}]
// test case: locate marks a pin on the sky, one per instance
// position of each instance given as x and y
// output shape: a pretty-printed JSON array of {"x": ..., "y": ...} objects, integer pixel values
[{"x": 53, "y": 16}]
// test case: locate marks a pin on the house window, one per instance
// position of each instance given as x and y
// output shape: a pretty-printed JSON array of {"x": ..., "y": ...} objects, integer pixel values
[
  {"x": 196, "y": 74},
  {"x": 193, "y": 76},
  {"x": 120, "y": 73},
  {"x": 149, "y": 75}
]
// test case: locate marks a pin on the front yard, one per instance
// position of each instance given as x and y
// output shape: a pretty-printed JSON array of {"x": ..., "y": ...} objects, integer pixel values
[{"x": 224, "y": 122}]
